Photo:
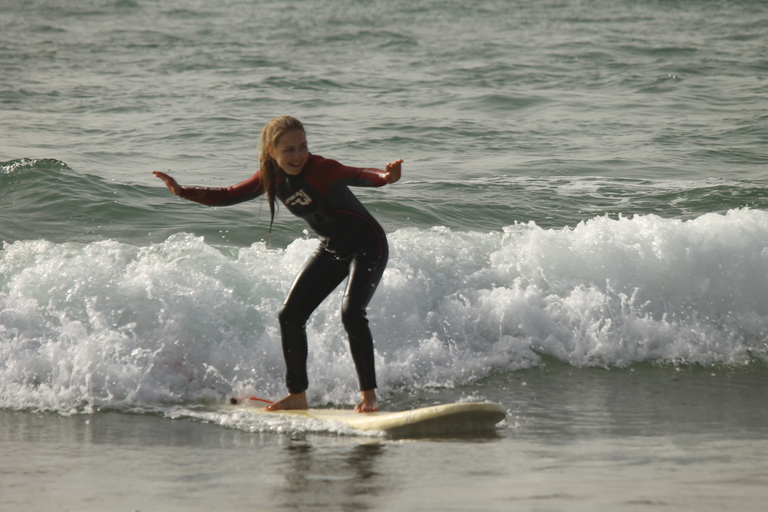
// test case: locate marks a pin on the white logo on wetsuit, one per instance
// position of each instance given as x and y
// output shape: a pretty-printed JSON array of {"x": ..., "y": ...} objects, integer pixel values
[{"x": 299, "y": 198}]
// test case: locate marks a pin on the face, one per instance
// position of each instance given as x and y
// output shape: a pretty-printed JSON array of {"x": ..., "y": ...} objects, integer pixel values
[{"x": 291, "y": 151}]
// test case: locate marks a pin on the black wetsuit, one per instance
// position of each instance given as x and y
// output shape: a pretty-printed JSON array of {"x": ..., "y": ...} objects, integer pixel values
[{"x": 352, "y": 244}]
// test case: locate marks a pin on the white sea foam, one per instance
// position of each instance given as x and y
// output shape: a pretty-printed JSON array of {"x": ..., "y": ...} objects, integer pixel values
[{"x": 108, "y": 324}]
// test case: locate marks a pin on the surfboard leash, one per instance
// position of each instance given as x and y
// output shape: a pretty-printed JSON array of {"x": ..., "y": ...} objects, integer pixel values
[{"x": 235, "y": 401}]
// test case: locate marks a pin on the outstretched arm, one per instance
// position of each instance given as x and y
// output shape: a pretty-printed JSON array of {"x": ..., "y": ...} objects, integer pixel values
[
  {"x": 393, "y": 171},
  {"x": 243, "y": 191},
  {"x": 324, "y": 172}
]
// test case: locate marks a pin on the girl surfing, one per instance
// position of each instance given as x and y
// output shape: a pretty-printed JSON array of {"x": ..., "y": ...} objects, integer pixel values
[{"x": 352, "y": 245}]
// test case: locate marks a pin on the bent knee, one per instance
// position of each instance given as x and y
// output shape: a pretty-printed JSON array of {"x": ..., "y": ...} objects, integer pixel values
[{"x": 353, "y": 317}]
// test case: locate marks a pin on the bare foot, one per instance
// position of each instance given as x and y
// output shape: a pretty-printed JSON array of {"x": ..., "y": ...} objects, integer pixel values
[
  {"x": 292, "y": 402},
  {"x": 368, "y": 403}
]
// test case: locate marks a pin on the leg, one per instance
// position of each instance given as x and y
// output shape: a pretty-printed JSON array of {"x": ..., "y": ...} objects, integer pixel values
[
  {"x": 320, "y": 276},
  {"x": 366, "y": 270}
]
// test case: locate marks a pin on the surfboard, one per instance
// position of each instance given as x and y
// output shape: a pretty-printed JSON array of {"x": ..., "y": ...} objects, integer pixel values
[{"x": 455, "y": 418}]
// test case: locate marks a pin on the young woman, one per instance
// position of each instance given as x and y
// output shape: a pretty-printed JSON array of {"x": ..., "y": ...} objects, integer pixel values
[{"x": 352, "y": 244}]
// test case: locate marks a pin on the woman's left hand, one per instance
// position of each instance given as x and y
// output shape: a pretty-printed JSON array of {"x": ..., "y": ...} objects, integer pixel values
[{"x": 393, "y": 171}]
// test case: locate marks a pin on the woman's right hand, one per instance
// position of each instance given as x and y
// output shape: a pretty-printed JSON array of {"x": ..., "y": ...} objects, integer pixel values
[{"x": 169, "y": 182}]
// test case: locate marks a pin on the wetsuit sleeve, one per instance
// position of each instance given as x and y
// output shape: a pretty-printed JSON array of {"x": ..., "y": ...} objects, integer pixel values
[
  {"x": 367, "y": 177},
  {"x": 225, "y": 196},
  {"x": 331, "y": 171}
]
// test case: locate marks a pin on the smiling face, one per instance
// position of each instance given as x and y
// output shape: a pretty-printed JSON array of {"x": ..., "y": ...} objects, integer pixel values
[{"x": 291, "y": 151}]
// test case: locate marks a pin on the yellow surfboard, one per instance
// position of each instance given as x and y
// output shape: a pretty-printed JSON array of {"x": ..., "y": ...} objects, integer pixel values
[{"x": 434, "y": 420}]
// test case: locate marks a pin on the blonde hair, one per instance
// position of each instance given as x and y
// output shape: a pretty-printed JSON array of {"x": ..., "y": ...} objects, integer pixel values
[{"x": 268, "y": 167}]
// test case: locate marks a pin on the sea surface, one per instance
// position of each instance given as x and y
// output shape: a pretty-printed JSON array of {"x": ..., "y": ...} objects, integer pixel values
[{"x": 580, "y": 234}]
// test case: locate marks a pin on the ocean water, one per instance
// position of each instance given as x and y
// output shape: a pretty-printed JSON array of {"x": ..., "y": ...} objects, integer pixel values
[{"x": 580, "y": 234}]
